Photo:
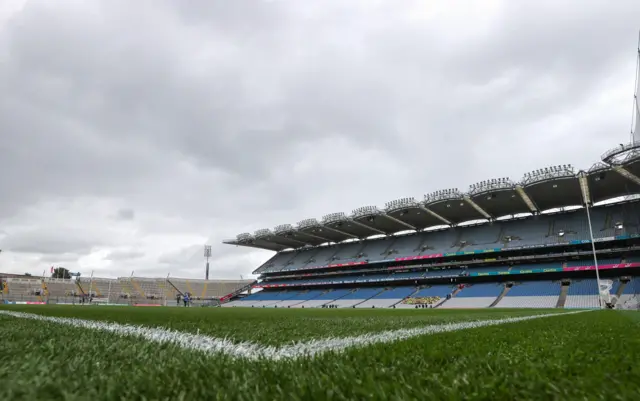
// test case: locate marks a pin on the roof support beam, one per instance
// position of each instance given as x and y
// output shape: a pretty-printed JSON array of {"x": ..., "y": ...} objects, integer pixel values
[
  {"x": 315, "y": 236},
  {"x": 526, "y": 199},
  {"x": 367, "y": 227},
  {"x": 409, "y": 226},
  {"x": 436, "y": 215},
  {"x": 626, "y": 174},
  {"x": 339, "y": 231},
  {"x": 584, "y": 187},
  {"x": 478, "y": 208}
]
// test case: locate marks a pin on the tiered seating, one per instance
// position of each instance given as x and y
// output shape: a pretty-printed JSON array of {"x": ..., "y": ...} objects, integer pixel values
[
  {"x": 589, "y": 262},
  {"x": 221, "y": 288},
  {"x": 430, "y": 296},
  {"x": 148, "y": 289},
  {"x": 324, "y": 298},
  {"x": 207, "y": 289},
  {"x": 298, "y": 299},
  {"x": 630, "y": 294},
  {"x": 539, "y": 230},
  {"x": 263, "y": 298},
  {"x": 387, "y": 298},
  {"x": 475, "y": 296},
  {"x": 356, "y": 297},
  {"x": 583, "y": 294},
  {"x": 532, "y": 294},
  {"x": 24, "y": 289},
  {"x": 104, "y": 288},
  {"x": 61, "y": 288}
]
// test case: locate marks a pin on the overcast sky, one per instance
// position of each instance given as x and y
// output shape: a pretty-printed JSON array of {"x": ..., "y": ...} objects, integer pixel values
[{"x": 134, "y": 132}]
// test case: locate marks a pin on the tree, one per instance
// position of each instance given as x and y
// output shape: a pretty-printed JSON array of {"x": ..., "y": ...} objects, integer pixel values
[
  {"x": 60, "y": 272},
  {"x": 28, "y": 274}
]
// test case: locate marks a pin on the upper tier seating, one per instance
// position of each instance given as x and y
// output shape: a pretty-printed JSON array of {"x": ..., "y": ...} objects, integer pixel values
[
  {"x": 538, "y": 230},
  {"x": 532, "y": 294}
]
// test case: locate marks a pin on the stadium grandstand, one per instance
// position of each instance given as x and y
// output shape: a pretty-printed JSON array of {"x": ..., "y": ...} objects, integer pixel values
[
  {"x": 534, "y": 243},
  {"x": 137, "y": 291}
]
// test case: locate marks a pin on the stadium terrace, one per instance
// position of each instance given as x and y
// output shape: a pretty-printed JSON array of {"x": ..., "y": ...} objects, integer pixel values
[
  {"x": 136, "y": 291},
  {"x": 530, "y": 243}
]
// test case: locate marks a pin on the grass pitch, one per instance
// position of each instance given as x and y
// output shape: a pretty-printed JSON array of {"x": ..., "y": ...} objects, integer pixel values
[{"x": 591, "y": 355}]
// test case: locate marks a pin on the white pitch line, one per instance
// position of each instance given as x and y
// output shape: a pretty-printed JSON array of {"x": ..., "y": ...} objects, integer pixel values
[{"x": 247, "y": 350}]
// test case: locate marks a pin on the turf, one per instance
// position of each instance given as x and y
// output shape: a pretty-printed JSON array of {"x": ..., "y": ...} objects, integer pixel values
[{"x": 592, "y": 355}]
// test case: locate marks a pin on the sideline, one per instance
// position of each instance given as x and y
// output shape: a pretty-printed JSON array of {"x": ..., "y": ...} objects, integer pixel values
[{"x": 252, "y": 351}]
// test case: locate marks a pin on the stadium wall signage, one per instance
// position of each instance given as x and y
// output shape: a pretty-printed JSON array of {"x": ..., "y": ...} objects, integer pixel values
[
  {"x": 476, "y": 252},
  {"x": 496, "y": 273}
]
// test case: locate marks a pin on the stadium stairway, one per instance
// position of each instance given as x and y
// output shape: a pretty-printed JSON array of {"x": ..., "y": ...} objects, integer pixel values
[
  {"x": 298, "y": 299},
  {"x": 5, "y": 287},
  {"x": 387, "y": 298},
  {"x": 239, "y": 291},
  {"x": 204, "y": 290},
  {"x": 416, "y": 290},
  {"x": 324, "y": 298},
  {"x": 188, "y": 284},
  {"x": 502, "y": 295},
  {"x": 475, "y": 296},
  {"x": 128, "y": 289},
  {"x": 620, "y": 289},
  {"x": 356, "y": 297},
  {"x": 138, "y": 288},
  {"x": 562, "y": 299}
]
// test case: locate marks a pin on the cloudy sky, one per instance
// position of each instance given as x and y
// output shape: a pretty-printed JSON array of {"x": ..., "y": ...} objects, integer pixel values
[{"x": 134, "y": 132}]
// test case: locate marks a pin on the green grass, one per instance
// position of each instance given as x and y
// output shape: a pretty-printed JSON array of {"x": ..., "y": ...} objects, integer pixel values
[
  {"x": 594, "y": 355},
  {"x": 274, "y": 326}
]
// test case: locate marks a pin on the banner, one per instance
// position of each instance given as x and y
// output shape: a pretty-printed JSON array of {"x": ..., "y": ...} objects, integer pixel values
[
  {"x": 601, "y": 267},
  {"x": 518, "y": 271},
  {"x": 419, "y": 257}
]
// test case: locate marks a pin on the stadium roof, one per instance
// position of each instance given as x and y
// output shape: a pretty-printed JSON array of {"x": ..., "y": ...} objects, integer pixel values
[{"x": 618, "y": 174}]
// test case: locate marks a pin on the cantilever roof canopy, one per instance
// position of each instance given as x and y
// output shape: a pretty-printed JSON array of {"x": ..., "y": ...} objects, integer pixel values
[
  {"x": 553, "y": 187},
  {"x": 498, "y": 197},
  {"x": 350, "y": 227},
  {"x": 606, "y": 183},
  {"x": 314, "y": 227},
  {"x": 379, "y": 221},
  {"x": 543, "y": 189},
  {"x": 414, "y": 213},
  {"x": 451, "y": 205}
]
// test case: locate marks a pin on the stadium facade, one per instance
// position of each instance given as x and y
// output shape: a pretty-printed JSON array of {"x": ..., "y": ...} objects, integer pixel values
[{"x": 531, "y": 243}]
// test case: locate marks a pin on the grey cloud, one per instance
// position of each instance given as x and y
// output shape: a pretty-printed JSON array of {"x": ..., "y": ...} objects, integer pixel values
[
  {"x": 126, "y": 214},
  {"x": 119, "y": 255},
  {"x": 51, "y": 241},
  {"x": 203, "y": 119}
]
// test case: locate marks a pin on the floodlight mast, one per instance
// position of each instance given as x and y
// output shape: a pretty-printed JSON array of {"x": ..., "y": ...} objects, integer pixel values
[
  {"x": 634, "y": 134},
  {"x": 207, "y": 255},
  {"x": 495, "y": 184},
  {"x": 595, "y": 257}
]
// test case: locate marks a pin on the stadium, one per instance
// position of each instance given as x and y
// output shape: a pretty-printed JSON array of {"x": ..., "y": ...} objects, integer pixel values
[
  {"x": 510, "y": 290},
  {"x": 535, "y": 243}
]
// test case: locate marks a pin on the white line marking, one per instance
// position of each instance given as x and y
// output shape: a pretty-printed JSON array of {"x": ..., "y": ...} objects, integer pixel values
[{"x": 247, "y": 350}]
